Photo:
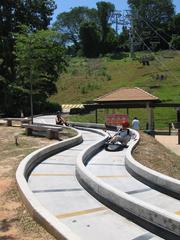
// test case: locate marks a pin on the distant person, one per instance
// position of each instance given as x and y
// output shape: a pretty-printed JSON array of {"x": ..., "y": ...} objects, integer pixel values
[
  {"x": 135, "y": 123},
  {"x": 162, "y": 77},
  {"x": 60, "y": 120}
]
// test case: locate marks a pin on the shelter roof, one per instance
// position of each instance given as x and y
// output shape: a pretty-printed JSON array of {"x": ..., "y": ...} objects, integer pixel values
[{"x": 127, "y": 95}]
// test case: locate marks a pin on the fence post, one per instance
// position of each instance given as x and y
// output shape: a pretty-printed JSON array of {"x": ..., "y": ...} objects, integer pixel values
[
  {"x": 178, "y": 136},
  {"x": 169, "y": 128}
]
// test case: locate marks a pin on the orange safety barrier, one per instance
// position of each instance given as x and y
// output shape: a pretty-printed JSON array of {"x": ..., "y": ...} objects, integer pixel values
[{"x": 116, "y": 119}]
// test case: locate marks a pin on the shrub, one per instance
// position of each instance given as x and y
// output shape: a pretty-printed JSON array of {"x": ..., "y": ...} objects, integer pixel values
[{"x": 175, "y": 42}]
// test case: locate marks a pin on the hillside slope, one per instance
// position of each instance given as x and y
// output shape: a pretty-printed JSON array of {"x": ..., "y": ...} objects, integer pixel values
[{"x": 87, "y": 79}]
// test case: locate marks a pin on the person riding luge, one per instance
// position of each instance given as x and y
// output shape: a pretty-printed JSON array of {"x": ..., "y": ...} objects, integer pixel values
[
  {"x": 60, "y": 120},
  {"x": 123, "y": 135}
]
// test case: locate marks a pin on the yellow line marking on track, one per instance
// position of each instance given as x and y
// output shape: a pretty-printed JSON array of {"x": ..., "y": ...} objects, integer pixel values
[
  {"x": 68, "y": 174},
  {"x": 78, "y": 213},
  {"x": 51, "y": 174},
  {"x": 121, "y": 176},
  {"x": 177, "y": 212}
]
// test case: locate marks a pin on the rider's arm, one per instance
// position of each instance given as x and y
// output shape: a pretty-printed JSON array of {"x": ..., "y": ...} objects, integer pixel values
[
  {"x": 133, "y": 135},
  {"x": 57, "y": 120}
]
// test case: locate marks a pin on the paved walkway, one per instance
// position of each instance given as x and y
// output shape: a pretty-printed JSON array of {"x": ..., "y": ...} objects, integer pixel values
[{"x": 170, "y": 142}]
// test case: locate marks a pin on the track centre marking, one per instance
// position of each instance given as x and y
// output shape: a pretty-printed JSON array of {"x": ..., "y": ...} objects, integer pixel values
[{"x": 82, "y": 212}]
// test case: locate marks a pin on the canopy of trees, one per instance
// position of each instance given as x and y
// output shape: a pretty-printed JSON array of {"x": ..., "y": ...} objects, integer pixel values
[
  {"x": 69, "y": 23},
  {"x": 90, "y": 39},
  {"x": 36, "y": 15},
  {"x": 176, "y": 24},
  {"x": 73, "y": 25},
  {"x": 151, "y": 20},
  {"x": 40, "y": 60}
]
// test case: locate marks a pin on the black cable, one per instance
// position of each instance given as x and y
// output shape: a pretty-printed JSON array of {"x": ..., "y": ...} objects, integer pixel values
[{"x": 155, "y": 55}]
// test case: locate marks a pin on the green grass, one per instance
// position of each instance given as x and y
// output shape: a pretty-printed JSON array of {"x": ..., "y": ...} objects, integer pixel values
[{"x": 87, "y": 79}]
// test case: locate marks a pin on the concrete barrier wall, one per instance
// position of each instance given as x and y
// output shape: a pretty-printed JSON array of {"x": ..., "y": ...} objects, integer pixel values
[
  {"x": 119, "y": 200},
  {"x": 38, "y": 212},
  {"x": 164, "y": 182},
  {"x": 88, "y": 125}
]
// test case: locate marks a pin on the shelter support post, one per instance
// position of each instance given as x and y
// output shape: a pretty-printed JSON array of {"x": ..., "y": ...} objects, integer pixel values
[
  {"x": 178, "y": 136},
  {"x": 178, "y": 120},
  {"x": 178, "y": 114},
  {"x": 150, "y": 121}
]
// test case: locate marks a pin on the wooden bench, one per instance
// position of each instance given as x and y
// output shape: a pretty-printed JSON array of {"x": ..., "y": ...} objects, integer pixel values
[
  {"x": 21, "y": 120},
  {"x": 51, "y": 131}
]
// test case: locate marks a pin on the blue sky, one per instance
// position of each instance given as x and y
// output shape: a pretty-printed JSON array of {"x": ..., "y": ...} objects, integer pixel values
[{"x": 66, "y": 5}]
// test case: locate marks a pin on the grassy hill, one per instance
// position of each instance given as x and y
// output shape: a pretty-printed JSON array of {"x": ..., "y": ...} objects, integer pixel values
[{"x": 86, "y": 79}]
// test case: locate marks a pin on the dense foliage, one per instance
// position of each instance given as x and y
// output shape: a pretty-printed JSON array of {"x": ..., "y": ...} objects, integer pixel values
[
  {"x": 76, "y": 26},
  {"x": 36, "y": 15},
  {"x": 40, "y": 60},
  {"x": 151, "y": 21},
  {"x": 69, "y": 23},
  {"x": 90, "y": 40},
  {"x": 148, "y": 25}
]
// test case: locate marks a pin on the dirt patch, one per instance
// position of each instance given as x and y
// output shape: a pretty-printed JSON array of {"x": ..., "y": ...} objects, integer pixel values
[
  {"x": 154, "y": 155},
  {"x": 15, "y": 221}
]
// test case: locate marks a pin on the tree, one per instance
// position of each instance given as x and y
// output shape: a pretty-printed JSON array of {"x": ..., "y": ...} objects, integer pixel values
[
  {"x": 176, "y": 24},
  {"x": 36, "y": 15},
  {"x": 124, "y": 39},
  {"x": 152, "y": 19},
  {"x": 40, "y": 59},
  {"x": 90, "y": 39},
  {"x": 105, "y": 10},
  {"x": 112, "y": 41},
  {"x": 3, "y": 86},
  {"x": 69, "y": 23},
  {"x": 175, "y": 42}
]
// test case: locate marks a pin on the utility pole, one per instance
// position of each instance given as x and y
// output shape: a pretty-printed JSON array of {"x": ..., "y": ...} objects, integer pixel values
[
  {"x": 116, "y": 18},
  {"x": 125, "y": 18},
  {"x": 31, "y": 97},
  {"x": 131, "y": 39},
  {"x": 30, "y": 78}
]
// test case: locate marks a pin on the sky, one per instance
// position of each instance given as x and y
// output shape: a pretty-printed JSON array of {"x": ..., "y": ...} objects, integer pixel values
[{"x": 66, "y": 5}]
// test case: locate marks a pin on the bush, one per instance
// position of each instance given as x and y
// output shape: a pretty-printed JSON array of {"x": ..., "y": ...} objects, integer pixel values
[
  {"x": 81, "y": 111},
  {"x": 175, "y": 42},
  {"x": 89, "y": 87},
  {"x": 46, "y": 107}
]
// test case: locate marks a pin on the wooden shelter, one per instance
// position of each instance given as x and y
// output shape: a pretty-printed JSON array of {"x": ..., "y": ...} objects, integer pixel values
[{"x": 130, "y": 98}]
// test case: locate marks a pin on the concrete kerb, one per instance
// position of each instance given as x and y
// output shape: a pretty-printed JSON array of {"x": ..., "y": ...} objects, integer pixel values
[
  {"x": 165, "y": 183},
  {"x": 119, "y": 200},
  {"x": 38, "y": 212},
  {"x": 88, "y": 125}
]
